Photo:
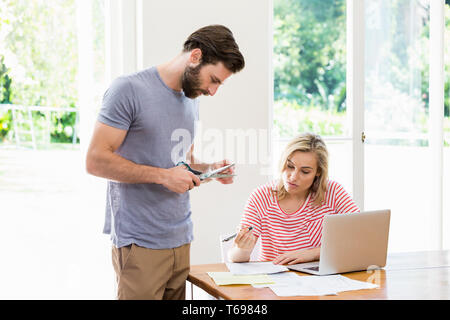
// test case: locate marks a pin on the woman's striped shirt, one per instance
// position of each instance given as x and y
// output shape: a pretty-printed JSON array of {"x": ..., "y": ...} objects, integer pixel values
[{"x": 281, "y": 232}]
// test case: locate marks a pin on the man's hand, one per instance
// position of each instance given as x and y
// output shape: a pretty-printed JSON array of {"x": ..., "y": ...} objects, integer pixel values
[
  {"x": 230, "y": 170},
  {"x": 178, "y": 179},
  {"x": 298, "y": 256}
]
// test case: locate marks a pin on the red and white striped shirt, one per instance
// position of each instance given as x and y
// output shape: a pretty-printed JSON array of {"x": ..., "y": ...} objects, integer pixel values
[{"x": 281, "y": 232}]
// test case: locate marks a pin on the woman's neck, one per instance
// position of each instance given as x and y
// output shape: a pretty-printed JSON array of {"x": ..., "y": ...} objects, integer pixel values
[{"x": 301, "y": 197}]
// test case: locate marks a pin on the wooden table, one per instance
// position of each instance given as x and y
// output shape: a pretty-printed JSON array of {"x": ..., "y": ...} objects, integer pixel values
[{"x": 415, "y": 275}]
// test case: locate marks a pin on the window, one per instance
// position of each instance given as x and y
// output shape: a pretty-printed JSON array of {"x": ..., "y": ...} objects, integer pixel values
[
  {"x": 50, "y": 222},
  {"x": 394, "y": 167},
  {"x": 310, "y": 78}
]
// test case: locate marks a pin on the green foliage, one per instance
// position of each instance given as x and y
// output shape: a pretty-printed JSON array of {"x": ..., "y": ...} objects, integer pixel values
[
  {"x": 5, "y": 124},
  {"x": 408, "y": 58},
  {"x": 5, "y": 98},
  {"x": 5, "y": 83},
  {"x": 309, "y": 52},
  {"x": 41, "y": 41},
  {"x": 310, "y": 66},
  {"x": 63, "y": 125},
  {"x": 291, "y": 118}
]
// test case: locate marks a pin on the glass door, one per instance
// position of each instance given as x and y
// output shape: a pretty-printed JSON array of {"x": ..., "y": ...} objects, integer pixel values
[{"x": 397, "y": 167}]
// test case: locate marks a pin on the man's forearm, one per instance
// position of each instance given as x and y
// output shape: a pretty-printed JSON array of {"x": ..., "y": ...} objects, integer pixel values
[{"x": 114, "y": 167}]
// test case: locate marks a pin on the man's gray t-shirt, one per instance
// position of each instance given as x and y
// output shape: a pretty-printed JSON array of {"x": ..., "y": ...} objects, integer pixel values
[{"x": 157, "y": 119}]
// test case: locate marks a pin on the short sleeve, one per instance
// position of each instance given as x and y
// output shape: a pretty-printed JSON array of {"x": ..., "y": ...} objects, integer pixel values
[
  {"x": 343, "y": 201},
  {"x": 119, "y": 105},
  {"x": 251, "y": 217}
]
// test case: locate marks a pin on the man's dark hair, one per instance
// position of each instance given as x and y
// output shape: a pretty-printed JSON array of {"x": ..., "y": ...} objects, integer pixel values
[{"x": 217, "y": 45}]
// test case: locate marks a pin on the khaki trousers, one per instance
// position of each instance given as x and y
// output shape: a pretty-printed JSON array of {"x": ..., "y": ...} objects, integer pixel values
[{"x": 151, "y": 274}]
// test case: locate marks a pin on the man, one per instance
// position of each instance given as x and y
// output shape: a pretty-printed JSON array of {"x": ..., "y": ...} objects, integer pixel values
[{"x": 148, "y": 211}]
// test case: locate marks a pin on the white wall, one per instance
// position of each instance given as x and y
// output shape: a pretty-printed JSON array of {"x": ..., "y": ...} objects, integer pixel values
[{"x": 244, "y": 102}]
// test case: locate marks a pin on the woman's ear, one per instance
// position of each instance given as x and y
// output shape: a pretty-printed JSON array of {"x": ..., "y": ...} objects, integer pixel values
[{"x": 195, "y": 57}]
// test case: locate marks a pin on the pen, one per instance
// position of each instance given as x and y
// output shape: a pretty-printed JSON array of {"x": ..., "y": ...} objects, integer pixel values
[{"x": 234, "y": 235}]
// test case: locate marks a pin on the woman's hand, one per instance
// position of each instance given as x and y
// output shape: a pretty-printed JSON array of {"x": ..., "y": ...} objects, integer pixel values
[
  {"x": 298, "y": 256},
  {"x": 243, "y": 246},
  {"x": 245, "y": 239}
]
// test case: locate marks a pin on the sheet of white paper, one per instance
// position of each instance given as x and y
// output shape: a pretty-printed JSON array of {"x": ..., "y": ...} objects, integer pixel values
[
  {"x": 226, "y": 278},
  {"x": 319, "y": 285},
  {"x": 345, "y": 284},
  {"x": 266, "y": 267},
  {"x": 299, "y": 289},
  {"x": 282, "y": 278}
]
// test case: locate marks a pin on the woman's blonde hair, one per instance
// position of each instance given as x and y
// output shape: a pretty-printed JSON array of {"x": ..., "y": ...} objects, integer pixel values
[{"x": 307, "y": 142}]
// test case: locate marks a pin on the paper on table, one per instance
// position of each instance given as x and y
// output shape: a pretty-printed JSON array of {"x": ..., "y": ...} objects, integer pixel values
[
  {"x": 320, "y": 285},
  {"x": 306, "y": 286},
  {"x": 300, "y": 289},
  {"x": 347, "y": 284},
  {"x": 266, "y": 267},
  {"x": 282, "y": 278},
  {"x": 227, "y": 278}
]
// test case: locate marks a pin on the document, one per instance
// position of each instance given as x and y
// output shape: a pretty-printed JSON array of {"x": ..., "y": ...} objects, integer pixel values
[
  {"x": 255, "y": 268},
  {"x": 319, "y": 285},
  {"x": 279, "y": 279},
  {"x": 227, "y": 278}
]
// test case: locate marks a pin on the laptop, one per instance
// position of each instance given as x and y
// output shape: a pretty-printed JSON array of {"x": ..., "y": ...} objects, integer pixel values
[{"x": 351, "y": 242}]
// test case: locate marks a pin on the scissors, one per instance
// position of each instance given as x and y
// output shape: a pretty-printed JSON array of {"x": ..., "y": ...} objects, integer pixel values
[{"x": 210, "y": 174}]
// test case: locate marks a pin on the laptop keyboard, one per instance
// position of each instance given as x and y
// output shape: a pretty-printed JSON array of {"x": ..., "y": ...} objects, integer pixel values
[{"x": 313, "y": 268}]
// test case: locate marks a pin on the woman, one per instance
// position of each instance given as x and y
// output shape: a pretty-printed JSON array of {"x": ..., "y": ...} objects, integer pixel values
[{"x": 287, "y": 213}]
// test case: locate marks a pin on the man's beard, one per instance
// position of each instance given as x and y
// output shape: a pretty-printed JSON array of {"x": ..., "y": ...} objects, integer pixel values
[{"x": 190, "y": 82}]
